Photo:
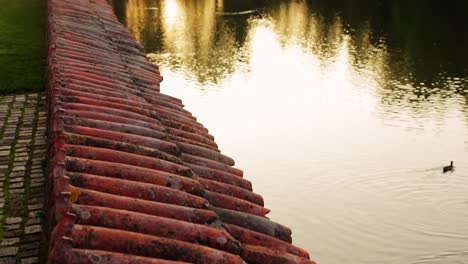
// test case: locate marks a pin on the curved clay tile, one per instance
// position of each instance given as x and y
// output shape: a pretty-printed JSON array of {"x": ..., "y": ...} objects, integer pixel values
[{"x": 133, "y": 177}]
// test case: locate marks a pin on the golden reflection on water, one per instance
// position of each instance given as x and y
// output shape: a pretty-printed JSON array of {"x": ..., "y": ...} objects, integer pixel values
[
  {"x": 190, "y": 38},
  {"x": 292, "y": 20},
  {"x": 342, "y": 130},
  {"x": 188, "y": 28},
  {"x": 194, "y": 41}
]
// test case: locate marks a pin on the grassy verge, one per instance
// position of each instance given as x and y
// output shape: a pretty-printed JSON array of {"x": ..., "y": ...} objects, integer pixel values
[{"x": 22, "y": 45}]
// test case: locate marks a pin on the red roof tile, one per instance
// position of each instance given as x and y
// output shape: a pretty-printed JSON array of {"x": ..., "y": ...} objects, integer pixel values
[{"x": 134, "y": 178}]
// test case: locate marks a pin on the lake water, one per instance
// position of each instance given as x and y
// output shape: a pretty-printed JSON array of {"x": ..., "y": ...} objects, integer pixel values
[{"x": 342, "y": 114}]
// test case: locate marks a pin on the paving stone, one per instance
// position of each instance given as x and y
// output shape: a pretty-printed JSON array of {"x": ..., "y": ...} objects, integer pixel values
[
  {"x": 31, "y": 238},
  {"x": 8, "y": 139},
  {"x": 8, "y": 251},
  {"x": 34, "y": 221},
  {"x": 37, "y": 176},
  {"x": 35, "y": 200},
  {"x": 18, "y": 135},
  {"x": 17, "y": 185},
  {"x": 38, "y": 155},
  {"x": 21, "y": 158},
  {"x": 13, "y": 220},
  {"x": 16, "y": 174},
  {"x": 22, "y": 149},
  {"x": 9, "y": 241},
  {"x": 31, "y": 260},
  {"x": 16, "y": 179},
  {"x": 29, "y": 253},
  {"x": 11, "y": 234},
  {"x": 37, "y": 181},
  {"x": 35, "y": 206},
  {"x": 19, "y": 168},
  {"x": 9, "y": 260},
  {"x": 11, "y": 227},
  {"x": 16, "y": 191},
  {"x": 32, "y": 229},
  {"x": 15, "y": 203},
  {"x": 36, "y": 190},
  {"x": 11, "y": 131},
  {"x": 29, "y": 246},
  {"x": 37, "y": 195},
  {"x": 37, "y": 184}
]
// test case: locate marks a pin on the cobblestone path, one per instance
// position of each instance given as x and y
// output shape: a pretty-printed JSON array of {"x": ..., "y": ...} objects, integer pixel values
[{"x": 22, "y": 182}]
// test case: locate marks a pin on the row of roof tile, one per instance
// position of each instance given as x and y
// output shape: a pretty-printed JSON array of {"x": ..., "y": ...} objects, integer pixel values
[{"x": 133, "y": 177}]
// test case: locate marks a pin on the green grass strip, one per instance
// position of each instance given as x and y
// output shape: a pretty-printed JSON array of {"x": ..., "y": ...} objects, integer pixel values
[{"x": 22, "y": 45}]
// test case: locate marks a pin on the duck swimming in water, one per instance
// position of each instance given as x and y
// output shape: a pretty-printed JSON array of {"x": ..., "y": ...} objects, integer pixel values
[{"x": 448, "y": 168}]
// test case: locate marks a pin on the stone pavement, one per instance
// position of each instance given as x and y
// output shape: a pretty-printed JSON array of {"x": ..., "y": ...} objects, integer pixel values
[{"x": 22, "y": 183}]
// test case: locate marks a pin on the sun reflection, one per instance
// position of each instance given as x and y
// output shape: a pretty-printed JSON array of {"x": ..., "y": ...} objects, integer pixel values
[
  {"x": 340, "y": 73},
  {"x": 173, "y": 27},
  {"x": 171, "y": 11},
  {"x": 263, "y": 43}
]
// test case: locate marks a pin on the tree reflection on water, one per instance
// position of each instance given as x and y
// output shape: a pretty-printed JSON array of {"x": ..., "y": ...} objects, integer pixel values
[{"x": 418, "y": 43}]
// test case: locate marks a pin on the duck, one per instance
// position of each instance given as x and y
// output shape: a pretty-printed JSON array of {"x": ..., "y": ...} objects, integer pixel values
[{"x": 448, "y": 168}]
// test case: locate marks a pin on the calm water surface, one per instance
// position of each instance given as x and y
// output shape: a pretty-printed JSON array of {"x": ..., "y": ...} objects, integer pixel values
[{"x": 342, "y": 115}]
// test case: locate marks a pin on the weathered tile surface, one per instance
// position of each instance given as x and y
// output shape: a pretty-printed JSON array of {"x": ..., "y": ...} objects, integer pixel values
[{"x": 133, "y": 176}]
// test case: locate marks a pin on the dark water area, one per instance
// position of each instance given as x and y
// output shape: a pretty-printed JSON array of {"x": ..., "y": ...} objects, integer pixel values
[{"x": 342, "y": 113}]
